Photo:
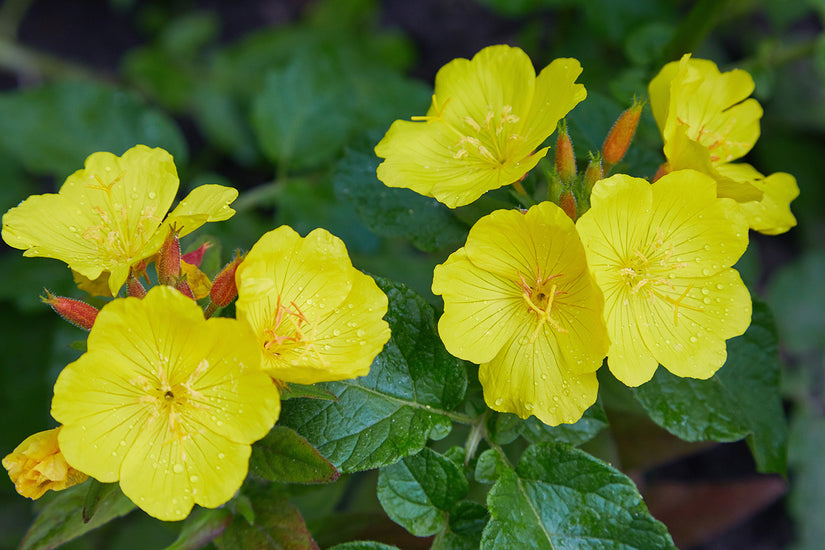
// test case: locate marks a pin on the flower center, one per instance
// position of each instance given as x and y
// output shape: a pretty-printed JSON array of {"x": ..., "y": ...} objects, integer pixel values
[
  {"x": 116, "y": 236},
  {"x": 646, "y": 272},
  {"x": 538, "y": 296},
  {"x": 290, "y": 331},
  {"x": 169, "y": 401},
  {"x": 486, "y": 140}
]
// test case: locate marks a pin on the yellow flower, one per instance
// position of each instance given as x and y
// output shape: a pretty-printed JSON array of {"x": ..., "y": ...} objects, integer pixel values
[
  {"x": 520, "y": 301},
  {"x": 488, "y": 116},
  {"x": 37, "y": 465},
  {"x": 317, "y": 318},
  {"x": 707, "y": 121},
  {"x": 165, "y": 402},
  {"x": 110, "y": 215},
  {"x": 661, "y": 254}
]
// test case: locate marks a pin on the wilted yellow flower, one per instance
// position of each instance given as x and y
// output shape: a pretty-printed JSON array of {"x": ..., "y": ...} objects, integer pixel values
[
  {"x": 166, "y": 403},
  {"x": 110, "y": 215},
  {"x": 662, "y": 255},
  {"x": 488, "y": 116},
  {"x": 37, "y": 465},
  {"x": 317, "y": 318},
  {"x": 520, "y": 301},
  {"x": 707, "y": 121}
]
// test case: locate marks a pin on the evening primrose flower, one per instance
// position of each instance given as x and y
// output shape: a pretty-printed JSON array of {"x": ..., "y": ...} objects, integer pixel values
[
  {"x": 110, "y": 215},
  {"x": 520, "y": 301},
  {"x": 707, "y": 121},
  {"x": 316, "y": 317},
  {"x": 662, "y": 255},
  {"x": 37, "y": 465},
  {"x": 166, "y": 403},
  {"x": 488, "y": 116}
]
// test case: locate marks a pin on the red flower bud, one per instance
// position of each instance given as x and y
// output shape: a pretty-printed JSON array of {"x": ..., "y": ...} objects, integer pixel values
[
  {"x": 167, "y": 261},
  {"x": 567, "y": 202},
  {"x": 134, "y": 288},
  {"x": 565, "y": 158},
  {"x": 224, "y": 289},
  {"x": 183, "y": 287},
  {"x": 78, "y": 313},
  {"x": 618, "y": 140}
]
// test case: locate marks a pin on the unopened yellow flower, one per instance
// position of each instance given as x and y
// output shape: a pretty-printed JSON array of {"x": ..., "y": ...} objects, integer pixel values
[
  {"x": 707, "y": 121},
  {"x": 520, "y": 301},
  {"x": 662, "y": 255},
  {"x": 110, "y": 215},
  {"x": 317, "y": 318},
  {"x": 488, "y": 116},
  {"x": 37, "y": 465},
  {"x": 166, "y": 403}
]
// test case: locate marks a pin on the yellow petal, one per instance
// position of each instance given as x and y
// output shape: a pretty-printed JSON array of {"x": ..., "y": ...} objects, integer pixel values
[
  {"x": 206, "y": 203},
  {"x": 530, "y": 378},
  {"x": 772, "y": 214},
  {"x": 557, "y": 93},
  {"x": 199, "y": 283}
]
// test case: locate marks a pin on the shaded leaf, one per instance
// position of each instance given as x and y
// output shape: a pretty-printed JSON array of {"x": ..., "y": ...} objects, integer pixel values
[
  {"x": 741, "y": 399},
  {"x": 389, "y": 414},
  {"x": 363, "y": 545},
  {"x": 561, "y": 497},
  {"x": 293, "y": 391},
  {"x": 393, "y": 212},
  {"x": 61, "y": 520},
  {"x": 53, "y": 128},
  {"x": 285, "y": 456},
  {"x": 278, "y": 526},
  {"x": 419, "y": 490},
  {"x": 201, "y": 528}
]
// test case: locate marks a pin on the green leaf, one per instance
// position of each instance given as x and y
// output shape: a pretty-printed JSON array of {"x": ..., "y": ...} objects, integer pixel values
[
  {"x": 278, "y": 525},
  {"x": 807, "y": 495},
  {"x": 293, "y": 391},
  {"x": 301, "y": 116},
  {"x": 405, "y": 399},
  {"x": 96, "y": 494},
  {"x": 363, "y": 545},
  {"x": 61, "y": 520},
  {"x": 200, "y": 528},
  {"x": 741, "y": 399},
  {"x": 285, "y": 456},
  {"x": 489, "y": 466},
  {"x": 589, "y": 425},
  {"x": 467, "y": 522},
  {"x": 800, "y": 315},
  {"x": 561, "y": 497},
  {"x": 53, "y": 128},
  {"x": 393, "y": 212},
  {"x": 418, "y": 491}
]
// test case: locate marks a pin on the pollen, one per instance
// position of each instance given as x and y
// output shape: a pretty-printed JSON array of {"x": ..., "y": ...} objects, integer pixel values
[{"x": 538, "y": 296}]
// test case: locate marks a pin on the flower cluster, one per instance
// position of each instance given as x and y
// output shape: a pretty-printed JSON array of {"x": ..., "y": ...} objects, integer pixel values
[
  {"x": 644, "y": 276},
  {"x": 167, "y": 400}
]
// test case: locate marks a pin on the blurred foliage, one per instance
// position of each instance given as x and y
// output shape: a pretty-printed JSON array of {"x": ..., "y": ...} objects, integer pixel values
[{"x": 287, "y": 110}]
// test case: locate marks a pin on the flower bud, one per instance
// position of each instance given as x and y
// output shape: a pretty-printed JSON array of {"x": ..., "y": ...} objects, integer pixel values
[
  {"x": 663, "y": 169},
  {"x": 567, "y": 202},
  {"x": 78, "y": 313},
  {"x": 592, "y": 174},
  {"x": 134, "y": 287},
  {"x": 37, "y": 465},
  {"x": 618, "y": 139},
  {"x": 183, "y": 287},
  {"x": 224, "y": 289},
  {"x": 167, "y": 261},
  {"x": 565, "y": 158}
]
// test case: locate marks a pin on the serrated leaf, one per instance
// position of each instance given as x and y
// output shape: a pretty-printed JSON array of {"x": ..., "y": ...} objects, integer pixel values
[
  {"x": 61, "y": 520},
  {"x": 741, "y": 399},
  {"x": 278, "y": 525},
  {"x": 561, "y": 497},
  {"x": 301, "y": 116},
  {"x": 589, "y": 425},
  {"x": 389, "y": 414},
  {"x": 418, "y": 491},
  {"x": 53, "y": 128},
  {"x": 393, "y": 212},
  {"x": 201, "y": 528},
  {"x": 285, "y": 456}
]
